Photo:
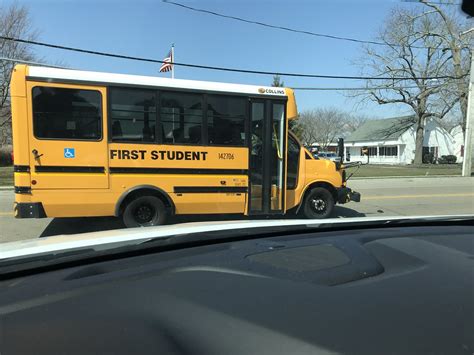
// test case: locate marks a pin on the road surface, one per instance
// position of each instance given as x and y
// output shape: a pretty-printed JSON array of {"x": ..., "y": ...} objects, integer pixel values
[{"x": 380, "y": 197}]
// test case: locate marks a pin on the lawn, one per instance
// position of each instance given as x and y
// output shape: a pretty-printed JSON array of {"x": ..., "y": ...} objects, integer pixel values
[
  {"x": 397, "y": 170},
  {"x": 6, "y": 175}
]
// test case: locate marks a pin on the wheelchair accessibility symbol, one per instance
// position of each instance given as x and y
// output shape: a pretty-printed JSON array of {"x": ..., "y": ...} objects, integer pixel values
[{"x": 69, "y": 153}]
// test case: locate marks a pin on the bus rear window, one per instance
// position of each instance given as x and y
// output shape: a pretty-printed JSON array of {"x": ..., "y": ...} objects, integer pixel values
[{"x": 69, "y": 114}]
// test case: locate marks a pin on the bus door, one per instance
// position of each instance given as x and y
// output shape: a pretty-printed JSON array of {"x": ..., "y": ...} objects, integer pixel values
[
  {"x": 267, "y": 157},
  {"x": 67, "y": 135}
]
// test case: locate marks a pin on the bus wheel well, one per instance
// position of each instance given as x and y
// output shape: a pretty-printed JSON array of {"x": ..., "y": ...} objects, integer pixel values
[
  {"x": 323, "y": 184},
  {"x": 132, "y": 194}
]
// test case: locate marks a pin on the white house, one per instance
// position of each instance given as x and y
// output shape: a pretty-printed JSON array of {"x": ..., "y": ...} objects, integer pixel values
[
  {"x": 458, "y": 147},
  {"x": 392, "y": 141}
]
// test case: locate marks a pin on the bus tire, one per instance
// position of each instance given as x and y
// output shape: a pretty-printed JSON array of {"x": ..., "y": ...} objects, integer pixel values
[
  {"x": 318, "y": 203},
  {"x": 144, "y": 211}
]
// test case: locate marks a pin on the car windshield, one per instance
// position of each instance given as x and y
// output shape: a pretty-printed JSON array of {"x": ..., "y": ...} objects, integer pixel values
[{"x": 137, "y": 114}]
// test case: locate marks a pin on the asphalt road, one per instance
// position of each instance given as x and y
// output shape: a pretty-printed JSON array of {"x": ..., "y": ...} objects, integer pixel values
[{"x": 380, "y": 197}]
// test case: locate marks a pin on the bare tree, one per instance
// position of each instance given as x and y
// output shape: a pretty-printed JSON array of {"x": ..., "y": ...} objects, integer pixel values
[
  {"x": 322, "y": 126},
  {"x": 450, "y": 121},
  {"x": 14, "y": 22},
  {"x": 450, "y": 32},
  {"x": 353, "y": 122},
  {"x": 413, "y": 53}
]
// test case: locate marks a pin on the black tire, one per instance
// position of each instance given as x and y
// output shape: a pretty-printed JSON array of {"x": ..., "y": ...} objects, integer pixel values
[
  {"x": 144, "y": 211},
  {"x": 318, "y": 203}
]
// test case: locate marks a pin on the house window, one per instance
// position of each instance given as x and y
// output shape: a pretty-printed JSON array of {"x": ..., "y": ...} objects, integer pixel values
[
  {"x": 388, "y": 151},
  {"x": 371, "y": 150}
]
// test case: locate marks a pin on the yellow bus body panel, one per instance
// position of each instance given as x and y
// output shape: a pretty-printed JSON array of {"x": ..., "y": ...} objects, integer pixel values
[
  {"x": 88, "y": 153},
  {"x": 167, "y": 167}
]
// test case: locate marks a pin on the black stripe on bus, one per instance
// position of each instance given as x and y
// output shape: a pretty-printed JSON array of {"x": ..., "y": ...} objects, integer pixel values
[
  {"x": 69, "y": 169},
  {"x": 209, "y": 189},
  {"x": 22, "y": 189},
  {"x": 123, "y": 170},
  {"x": 21, "y": 168}
]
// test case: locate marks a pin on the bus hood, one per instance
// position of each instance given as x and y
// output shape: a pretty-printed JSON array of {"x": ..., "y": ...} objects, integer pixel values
[{"x": 114, "y": 238}]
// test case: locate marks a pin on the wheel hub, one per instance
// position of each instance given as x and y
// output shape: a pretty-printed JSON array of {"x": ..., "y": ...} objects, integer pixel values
[
  {"x": 318, "y": 204},
  {"x": 144, "y": 213}
]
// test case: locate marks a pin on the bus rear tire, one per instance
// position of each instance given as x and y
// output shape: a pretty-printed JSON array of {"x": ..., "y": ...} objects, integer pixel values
[
  {"x": 144, "y": 211},
  {"x": 318, "y": 204}
]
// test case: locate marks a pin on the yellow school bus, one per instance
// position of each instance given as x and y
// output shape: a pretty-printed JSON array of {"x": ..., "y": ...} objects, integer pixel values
[{"x": 147, "y": 148}]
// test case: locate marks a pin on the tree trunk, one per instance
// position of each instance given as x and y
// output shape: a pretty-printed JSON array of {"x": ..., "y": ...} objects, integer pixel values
[
  {"x": 461, "y": 86},
  {"x": 419, "y": 144},
  {"x": 463, "y": 104}
]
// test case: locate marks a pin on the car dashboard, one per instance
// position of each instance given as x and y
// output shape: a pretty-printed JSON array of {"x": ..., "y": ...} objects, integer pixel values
[{"x": 399, "y": 290}]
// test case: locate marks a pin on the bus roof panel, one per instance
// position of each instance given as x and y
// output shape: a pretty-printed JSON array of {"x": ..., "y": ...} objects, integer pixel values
[{"x": 139, "y": 80}]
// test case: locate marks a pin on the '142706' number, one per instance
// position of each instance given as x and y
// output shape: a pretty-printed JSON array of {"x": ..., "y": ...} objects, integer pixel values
[{"x": 228, "y": 156}]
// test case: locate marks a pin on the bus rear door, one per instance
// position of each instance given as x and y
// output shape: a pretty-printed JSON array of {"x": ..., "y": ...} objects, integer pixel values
[{"x": 68, "y": 145}]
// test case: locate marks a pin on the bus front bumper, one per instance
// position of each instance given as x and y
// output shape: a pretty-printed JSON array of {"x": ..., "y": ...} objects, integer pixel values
[
  {"x": 29, "y": 210},
  {"x": 345, "y": 194}
]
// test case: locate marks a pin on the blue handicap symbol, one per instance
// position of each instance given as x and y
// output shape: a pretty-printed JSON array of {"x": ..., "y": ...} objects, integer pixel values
[{"x": 69, "y": 153}]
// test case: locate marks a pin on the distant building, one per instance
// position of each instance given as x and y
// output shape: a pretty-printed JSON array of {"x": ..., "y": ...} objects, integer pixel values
[
  {"x": 320, "y": 147},
  {"x": 458, "y": 146},
  {"x": 392, "y": 141}
]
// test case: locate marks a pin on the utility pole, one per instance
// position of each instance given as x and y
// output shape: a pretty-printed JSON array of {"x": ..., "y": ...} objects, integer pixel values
[{"x": 467, "y": 161}]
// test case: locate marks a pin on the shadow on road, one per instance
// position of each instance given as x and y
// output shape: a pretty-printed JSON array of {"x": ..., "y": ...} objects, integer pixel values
[
  {"x": 346, "y": 212},
  {"x": 81, "y": 225},
  {"x": 94, "y": 224}
]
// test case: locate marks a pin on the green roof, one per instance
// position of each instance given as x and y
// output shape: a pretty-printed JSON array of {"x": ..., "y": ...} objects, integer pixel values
[{"x": 383, "y": 129}]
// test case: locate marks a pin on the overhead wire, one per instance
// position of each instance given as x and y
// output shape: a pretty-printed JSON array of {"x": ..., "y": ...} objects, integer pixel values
[
  {"x": 216, "y": 68},
  {"x": 294, "y": 88},
  {"x": 288, "y": 29}
]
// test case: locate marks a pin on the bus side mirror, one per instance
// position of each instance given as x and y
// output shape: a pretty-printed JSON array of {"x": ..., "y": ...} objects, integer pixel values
[
  {"x": 365, "y": 151},
  {"x": 340, "y": 148}
]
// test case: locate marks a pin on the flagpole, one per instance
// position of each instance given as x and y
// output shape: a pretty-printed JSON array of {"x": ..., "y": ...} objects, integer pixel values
[{"x": 172, "y": 61}]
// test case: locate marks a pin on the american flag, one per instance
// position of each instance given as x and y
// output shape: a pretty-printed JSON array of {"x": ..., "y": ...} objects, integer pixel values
[{"x": 168, "y": 62}]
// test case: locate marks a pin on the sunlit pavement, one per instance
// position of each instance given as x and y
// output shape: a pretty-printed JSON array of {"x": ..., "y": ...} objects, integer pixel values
[{"x": 380, "y": 197}]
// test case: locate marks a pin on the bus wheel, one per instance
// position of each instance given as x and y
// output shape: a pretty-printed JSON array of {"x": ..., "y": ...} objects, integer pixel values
[
  {"x": 144, "y": 211},
  {"x": 319, "y": 203}
]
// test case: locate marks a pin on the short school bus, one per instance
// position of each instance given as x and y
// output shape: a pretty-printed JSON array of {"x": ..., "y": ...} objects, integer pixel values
[{"x": 146, "y": 148}]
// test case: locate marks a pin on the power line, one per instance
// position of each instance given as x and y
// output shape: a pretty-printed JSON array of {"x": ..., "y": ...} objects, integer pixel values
[
  {"x": 226, "y": 69},
  {"x": 272, "y": 26},
  {"x": 294, "y": 88},
  {"x": 288, "y": 29}
]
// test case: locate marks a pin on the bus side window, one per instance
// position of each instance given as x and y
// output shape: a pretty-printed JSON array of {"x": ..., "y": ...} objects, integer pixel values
[
  {"x": 226, "y": 120},
  {"x": 181, "y": 117},
  {"x": 133, "y": 115},
  {"x": 60, "y": 113}
]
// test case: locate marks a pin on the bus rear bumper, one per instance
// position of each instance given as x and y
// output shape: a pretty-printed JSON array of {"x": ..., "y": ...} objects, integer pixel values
[
  {"x": 29, "y": 210},
  {"x": 345, "y": 194}
]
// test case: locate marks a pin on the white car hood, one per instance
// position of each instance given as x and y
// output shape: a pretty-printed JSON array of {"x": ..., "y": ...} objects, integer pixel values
[{"x": 107, "y": 239}]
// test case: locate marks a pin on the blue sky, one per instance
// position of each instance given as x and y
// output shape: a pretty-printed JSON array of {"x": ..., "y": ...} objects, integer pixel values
[{"x": 147, "y": 28}]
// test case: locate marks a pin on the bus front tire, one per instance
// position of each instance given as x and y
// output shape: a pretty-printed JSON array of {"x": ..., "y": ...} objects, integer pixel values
[
  {"x": 318, "y": 204},
  {"x": 144, "y": 211}
]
